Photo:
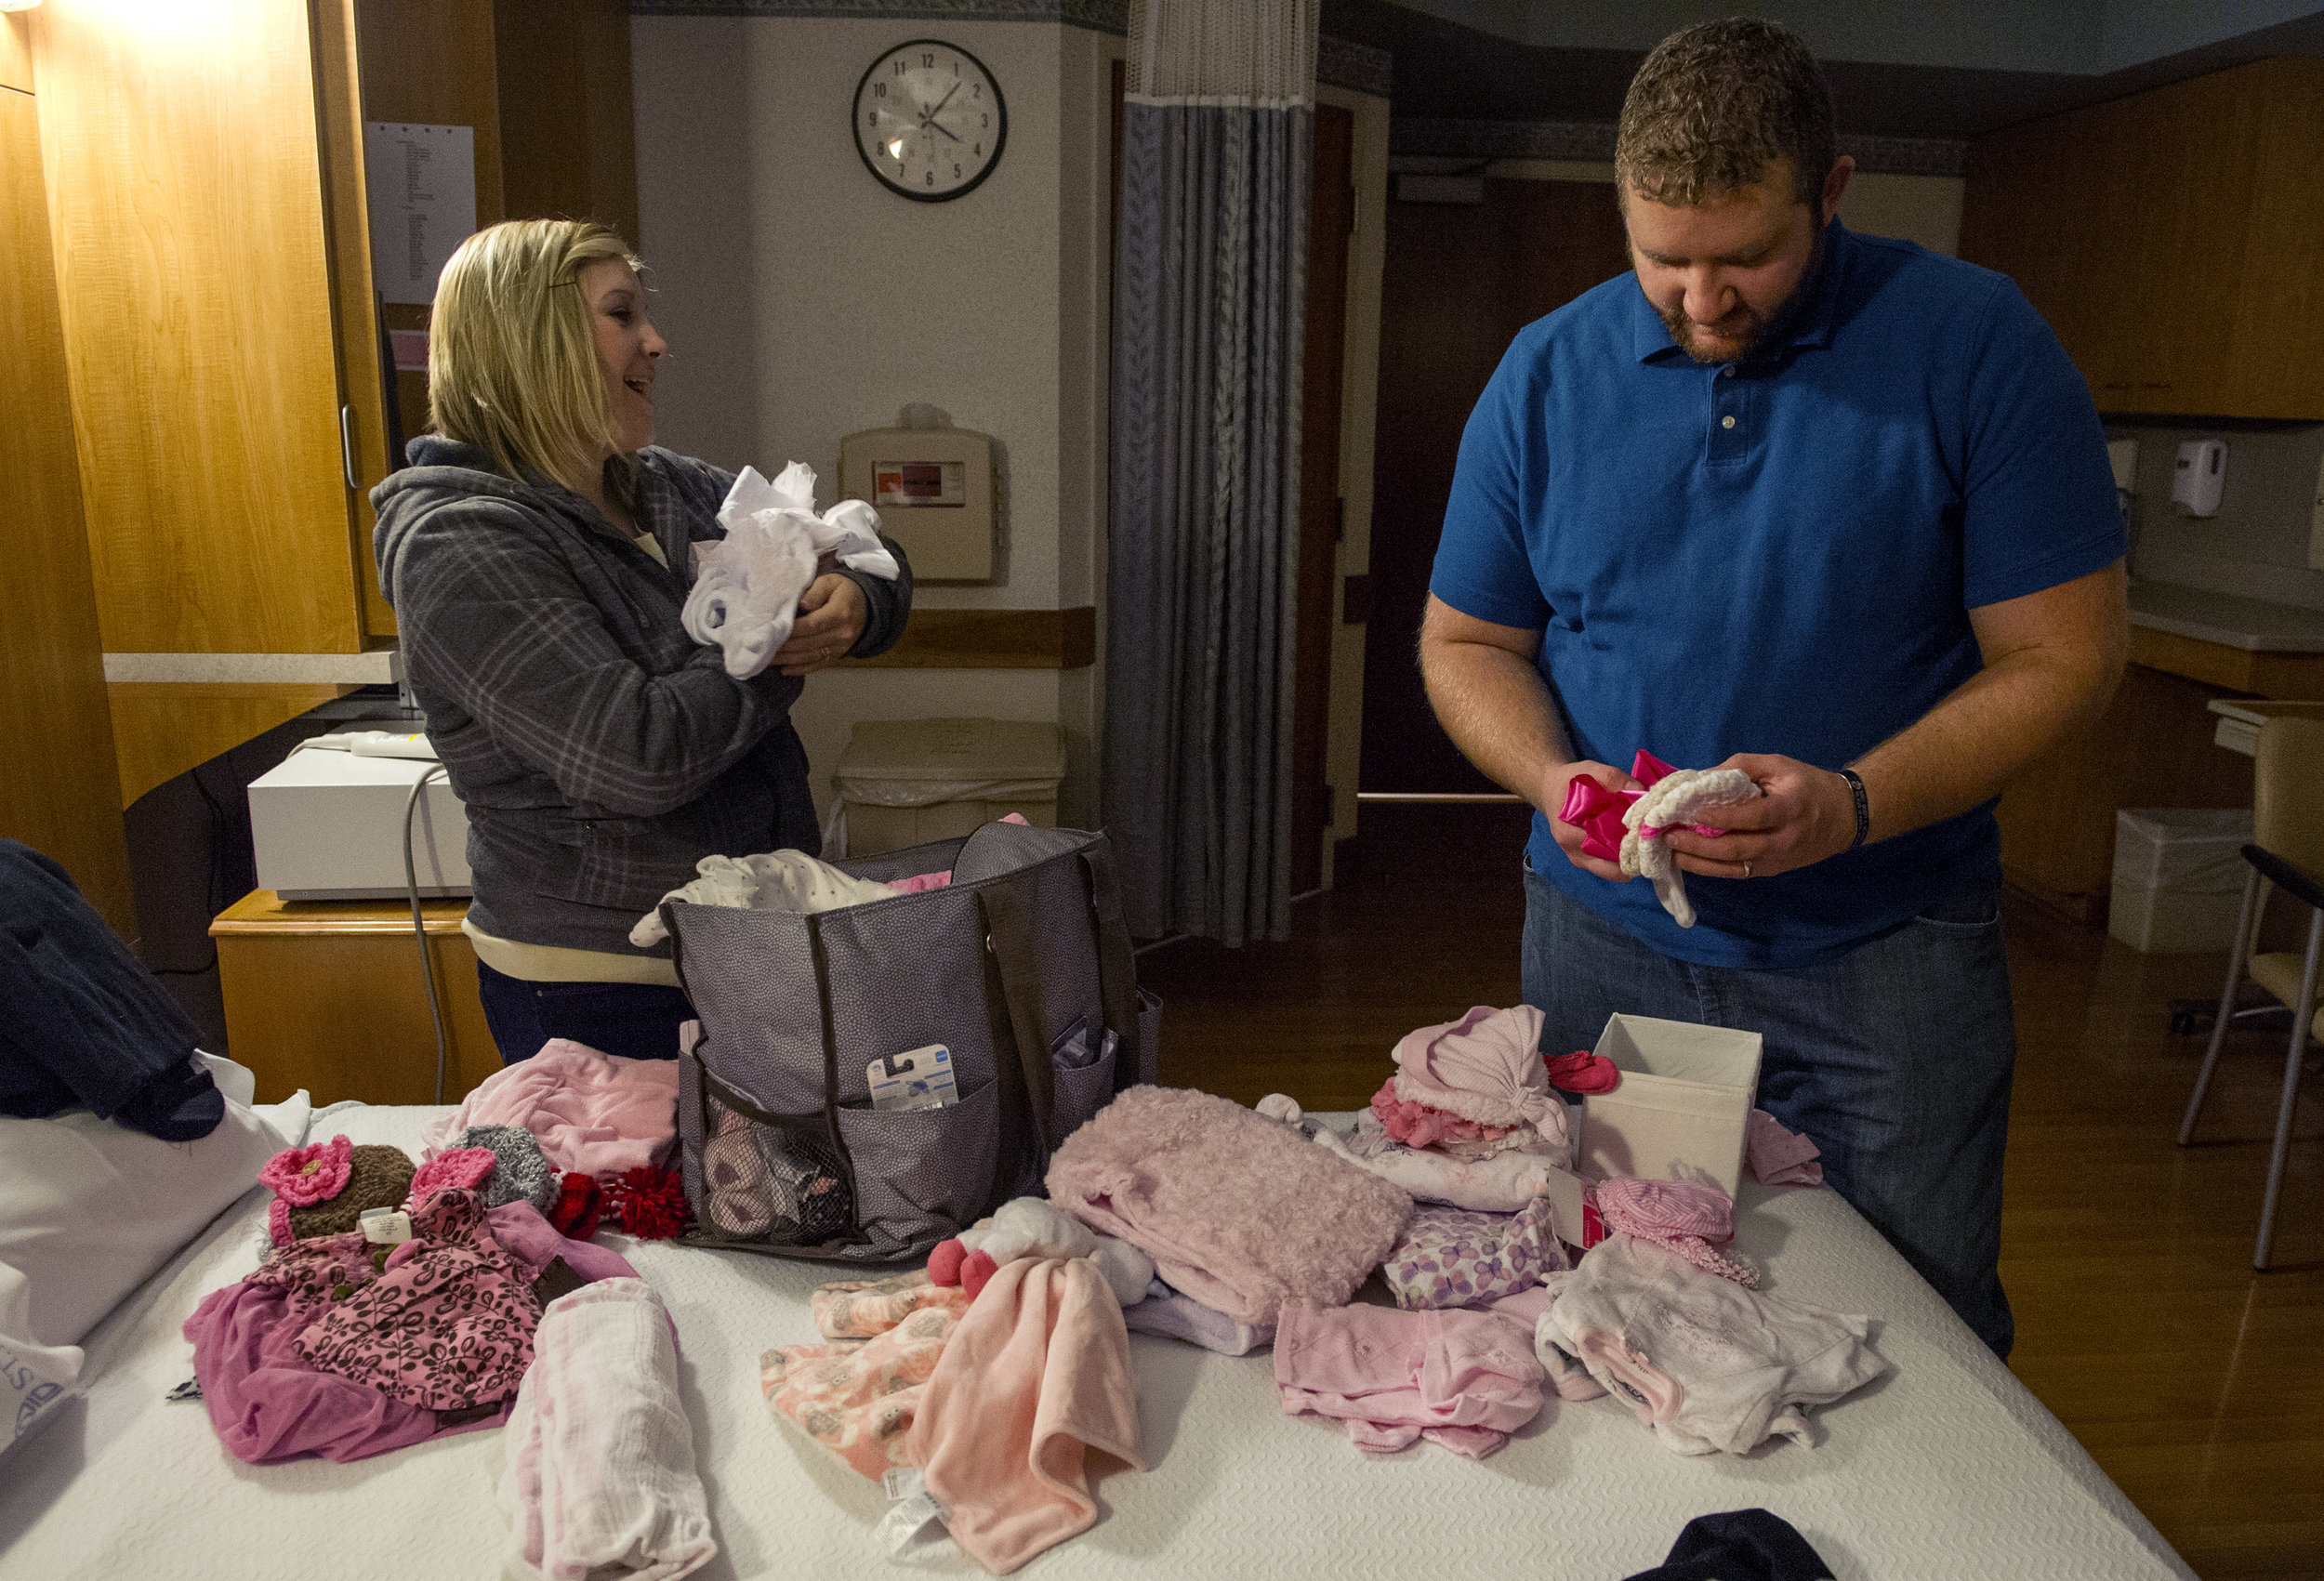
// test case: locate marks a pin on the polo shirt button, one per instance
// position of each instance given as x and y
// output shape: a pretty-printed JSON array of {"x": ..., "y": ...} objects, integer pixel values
[{"x": 1726, "y": 422}]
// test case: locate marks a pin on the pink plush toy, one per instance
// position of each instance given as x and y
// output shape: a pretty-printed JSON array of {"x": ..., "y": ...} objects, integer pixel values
[{"x": 1029, "y": 1227}]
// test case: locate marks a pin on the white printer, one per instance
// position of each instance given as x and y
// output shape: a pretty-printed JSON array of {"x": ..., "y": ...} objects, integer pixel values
[{"x": 328, "y": 824}]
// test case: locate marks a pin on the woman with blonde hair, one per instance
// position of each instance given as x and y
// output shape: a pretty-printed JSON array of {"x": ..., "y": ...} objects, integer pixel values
[{"x": 536, "y": 550}]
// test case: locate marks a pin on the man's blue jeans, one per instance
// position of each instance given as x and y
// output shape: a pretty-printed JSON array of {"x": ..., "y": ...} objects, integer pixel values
[{"x": 1895, "y": 1059}]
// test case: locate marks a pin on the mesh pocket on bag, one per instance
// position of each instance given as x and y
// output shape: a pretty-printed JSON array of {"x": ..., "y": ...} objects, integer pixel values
[{"x": 775, "y": 1183}]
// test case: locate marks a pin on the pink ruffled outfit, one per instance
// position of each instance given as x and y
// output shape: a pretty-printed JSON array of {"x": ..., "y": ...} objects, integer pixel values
[
  {"x": 1687, "y": 1219},
  {"x": 1417, "y": 1125}
]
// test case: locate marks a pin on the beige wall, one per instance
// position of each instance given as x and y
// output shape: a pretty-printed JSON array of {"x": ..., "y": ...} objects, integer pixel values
[{"x": 804, "y": 301}]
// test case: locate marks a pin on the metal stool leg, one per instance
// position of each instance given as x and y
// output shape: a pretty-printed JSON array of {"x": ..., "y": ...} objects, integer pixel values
[
  {"x": 2254, "y": 887},
  {"x": 2300, "y": 1019}
]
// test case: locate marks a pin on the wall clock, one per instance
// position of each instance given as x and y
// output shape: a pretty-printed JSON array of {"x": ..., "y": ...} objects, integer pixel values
[{"x": 929, "y": 121}]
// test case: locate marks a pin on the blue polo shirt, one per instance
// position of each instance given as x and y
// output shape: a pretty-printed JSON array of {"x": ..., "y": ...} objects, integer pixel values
[{"x": 1780, "y": 555}]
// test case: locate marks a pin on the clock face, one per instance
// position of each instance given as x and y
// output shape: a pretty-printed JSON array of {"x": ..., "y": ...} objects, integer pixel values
[{"x": 928, "y": 120}]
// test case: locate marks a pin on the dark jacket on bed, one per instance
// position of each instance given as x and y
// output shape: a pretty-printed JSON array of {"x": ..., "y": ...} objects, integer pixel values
[
  {"x": 81, "y": 1024},
  {"x": 601, "y": 751}
]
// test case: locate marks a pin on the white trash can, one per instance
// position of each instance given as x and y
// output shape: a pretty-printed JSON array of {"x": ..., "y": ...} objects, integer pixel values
[
  {"x": 2178, "y": 877},
  {"x": 906, "y": 782}
]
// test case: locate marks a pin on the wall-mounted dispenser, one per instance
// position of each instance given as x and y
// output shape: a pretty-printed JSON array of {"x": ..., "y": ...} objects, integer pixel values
[
  {"x": 933, "y": 485},
  {"x": 2201, "y": 475}
]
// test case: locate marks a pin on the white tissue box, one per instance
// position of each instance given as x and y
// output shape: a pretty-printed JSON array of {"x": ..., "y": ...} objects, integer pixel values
[{"x": 1684, "y": 1105}]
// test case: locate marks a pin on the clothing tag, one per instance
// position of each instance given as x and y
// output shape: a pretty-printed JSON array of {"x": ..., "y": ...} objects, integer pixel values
[
  {"x": 910, "y": 1513},
  {"x": 461, "y": 1417},
  {"x": 689, "y": 1036},
  {"x": 190, "y": 1389},
  {"x": 384, "y": 1226},
  {"x": 920, "y": 1079},
  {"x": 557, "y": 1279},
  {"x": 1069, "y": 1051}
]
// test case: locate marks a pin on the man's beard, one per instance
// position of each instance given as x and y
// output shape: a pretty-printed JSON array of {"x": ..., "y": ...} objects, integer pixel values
[{"x": 1755, "y": 324}]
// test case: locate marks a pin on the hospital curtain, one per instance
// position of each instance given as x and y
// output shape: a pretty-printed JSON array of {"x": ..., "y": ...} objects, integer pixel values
[{"x": 1210, "y": 279}]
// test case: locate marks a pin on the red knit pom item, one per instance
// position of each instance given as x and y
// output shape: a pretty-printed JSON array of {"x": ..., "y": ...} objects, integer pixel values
[
  {"x": 648, "y": 1203},
  {"x": 579, "y": 1205}
]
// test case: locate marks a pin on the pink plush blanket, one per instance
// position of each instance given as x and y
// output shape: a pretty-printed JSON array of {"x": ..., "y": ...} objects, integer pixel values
[
  {"x": 1036, "y": 1376},
  {"x": 592, "y": 1113},
  {"x": 1237, "y": 1211}
]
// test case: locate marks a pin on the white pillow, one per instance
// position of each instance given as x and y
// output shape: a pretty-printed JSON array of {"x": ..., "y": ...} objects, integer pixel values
[
  {"x": 34, "y": 1380},
  {"x": 89, "y": 1209}
]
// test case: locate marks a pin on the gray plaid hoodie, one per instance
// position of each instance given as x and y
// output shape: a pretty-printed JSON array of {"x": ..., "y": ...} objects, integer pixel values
[{"x": 600, "y": 750}]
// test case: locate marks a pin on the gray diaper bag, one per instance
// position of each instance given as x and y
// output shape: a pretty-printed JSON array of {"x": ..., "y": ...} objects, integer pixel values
[{"x": 1021, "y": 968}]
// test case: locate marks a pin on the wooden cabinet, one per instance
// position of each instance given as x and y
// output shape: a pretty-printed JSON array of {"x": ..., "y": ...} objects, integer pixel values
[
  {"x": 206, "y": 215},
  {"x": 185, "y": 196},
  {"x": 2173, "y": 238},
  {"x": 52, "y": 675},
  {"x": 330, "y": 996}
]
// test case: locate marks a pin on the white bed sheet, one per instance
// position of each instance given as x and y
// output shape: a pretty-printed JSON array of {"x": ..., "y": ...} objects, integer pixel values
[{"x": 1946, "y": 1469}]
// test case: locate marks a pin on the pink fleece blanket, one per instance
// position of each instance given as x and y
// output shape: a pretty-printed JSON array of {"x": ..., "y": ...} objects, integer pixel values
[
  {"x": 1036, "y": 1376},
  {"x": 592, "y": 1113},
  {"x": 1237, "y": 1211}
]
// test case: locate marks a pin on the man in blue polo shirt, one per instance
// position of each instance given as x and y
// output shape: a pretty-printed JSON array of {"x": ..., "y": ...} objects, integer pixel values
[{"x": 1826, "y": 508}]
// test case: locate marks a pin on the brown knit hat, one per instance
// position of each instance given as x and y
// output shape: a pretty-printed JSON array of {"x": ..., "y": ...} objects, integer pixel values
[{"x": 376, "y": 1176}]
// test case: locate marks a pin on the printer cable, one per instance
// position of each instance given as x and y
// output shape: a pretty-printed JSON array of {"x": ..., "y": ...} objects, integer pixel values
[{"x": 419, "y": 931}]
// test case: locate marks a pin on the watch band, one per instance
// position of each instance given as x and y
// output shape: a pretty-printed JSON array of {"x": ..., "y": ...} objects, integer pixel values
[{"x": 1863, "y": 807}]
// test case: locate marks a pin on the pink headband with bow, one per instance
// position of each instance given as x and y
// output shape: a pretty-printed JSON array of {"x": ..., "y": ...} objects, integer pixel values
[{"x": 1597, "y": 811}]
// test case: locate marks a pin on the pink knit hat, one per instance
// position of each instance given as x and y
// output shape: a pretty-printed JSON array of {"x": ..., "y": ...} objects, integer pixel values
[
  {"x": 1679, "y": 1217},
  {"x": 1484, "y": 1067}
]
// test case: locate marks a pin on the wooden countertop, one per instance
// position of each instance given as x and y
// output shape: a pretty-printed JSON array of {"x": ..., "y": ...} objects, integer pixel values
[{"x": 263, "y": 911}]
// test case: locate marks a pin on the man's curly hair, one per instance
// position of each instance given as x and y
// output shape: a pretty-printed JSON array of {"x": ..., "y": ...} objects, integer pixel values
[{"x": 1714, "y": 104}]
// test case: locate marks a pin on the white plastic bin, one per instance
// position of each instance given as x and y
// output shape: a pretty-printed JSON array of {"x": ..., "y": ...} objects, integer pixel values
[
  {"x": 2178, "y": 877},
  {"x": 1683, "y": 1104},
  {"x": 906, "y": 782}
]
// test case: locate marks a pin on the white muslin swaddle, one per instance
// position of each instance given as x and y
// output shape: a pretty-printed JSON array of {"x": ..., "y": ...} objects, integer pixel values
[
  {"x": 600, "y": 1474},
  {"x": 747, "y": 585}
]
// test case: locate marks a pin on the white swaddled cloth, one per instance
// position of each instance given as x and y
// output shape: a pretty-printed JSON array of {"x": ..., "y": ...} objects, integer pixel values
[
  {"x": 1678, "y": 798},
  {"x": 601, "y": 1475},
  {"x": 777, "y": 880},
  {"x": 747, "y": 585}
]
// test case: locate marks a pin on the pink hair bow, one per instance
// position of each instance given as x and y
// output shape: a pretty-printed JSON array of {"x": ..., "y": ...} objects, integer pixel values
[{"x": 1597, "y": 811}]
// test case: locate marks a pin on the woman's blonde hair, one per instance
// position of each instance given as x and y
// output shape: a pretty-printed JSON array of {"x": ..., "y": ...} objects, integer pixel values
[{"x": 512, "y": 365}]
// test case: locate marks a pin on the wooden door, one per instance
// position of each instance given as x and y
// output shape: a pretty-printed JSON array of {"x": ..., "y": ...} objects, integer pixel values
[
  {"x": 62, "y": 800},
  {"x": 1460, "y": 282},
  {"x": 1331, "y": 215},
  {"x": 186, "y": 208}
]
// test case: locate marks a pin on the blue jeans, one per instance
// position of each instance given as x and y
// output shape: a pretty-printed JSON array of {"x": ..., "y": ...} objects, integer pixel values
[
  {"x": 1895, "y": 1059},
  {"x": 638, "y": 1021}
]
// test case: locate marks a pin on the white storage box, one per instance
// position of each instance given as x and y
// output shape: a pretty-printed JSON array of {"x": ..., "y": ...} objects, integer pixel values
[
  {"x": 2178, "y": 877},
  {"x": 1683, "y": 1104},
  {"x": 329, "y": 826},
  {"x": 906, "y": 782}
]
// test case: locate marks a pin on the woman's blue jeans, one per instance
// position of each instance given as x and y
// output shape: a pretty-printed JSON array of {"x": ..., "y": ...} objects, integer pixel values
[
  {"x": 1895, "y": 1059},
  {"x": 638, "y": 1021}
]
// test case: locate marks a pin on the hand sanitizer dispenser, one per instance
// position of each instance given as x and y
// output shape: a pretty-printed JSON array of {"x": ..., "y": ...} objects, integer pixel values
[{"x": 2201, "y": 475}]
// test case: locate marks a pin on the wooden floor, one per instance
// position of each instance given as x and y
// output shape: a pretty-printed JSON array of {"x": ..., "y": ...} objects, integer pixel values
[{"x": 2198, "y": 1383}]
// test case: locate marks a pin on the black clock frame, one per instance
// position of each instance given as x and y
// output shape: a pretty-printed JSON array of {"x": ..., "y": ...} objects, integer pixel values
[{"x": 1000, "y": 137}]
